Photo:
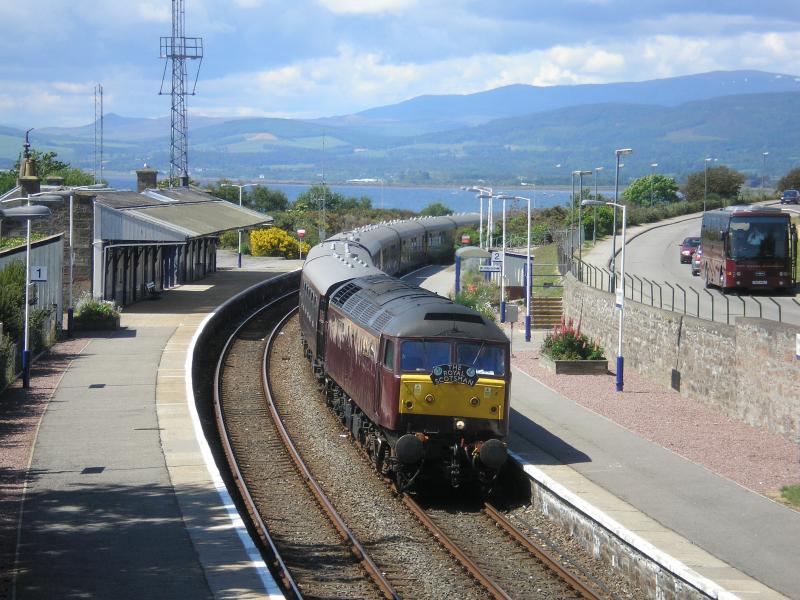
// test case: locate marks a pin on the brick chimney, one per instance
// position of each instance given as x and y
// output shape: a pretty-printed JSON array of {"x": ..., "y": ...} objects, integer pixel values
[{"x": 146, "y": 178}]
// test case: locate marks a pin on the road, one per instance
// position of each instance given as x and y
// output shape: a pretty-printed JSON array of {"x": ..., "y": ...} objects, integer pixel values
[{"x": 653, "y": 263}]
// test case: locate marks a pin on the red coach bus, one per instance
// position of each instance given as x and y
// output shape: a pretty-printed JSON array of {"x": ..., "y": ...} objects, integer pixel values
[{"x": 748, "y": 247}]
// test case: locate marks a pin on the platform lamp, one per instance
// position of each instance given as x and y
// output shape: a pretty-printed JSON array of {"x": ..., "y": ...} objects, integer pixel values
[
  {"x": 617, "y": 153},
  {"x": 594, "y": 210},
  {"x": 620, "y": 292},
  {"x": 528, "y": 269},
  {"x": 580, "y": 222},
  {"x": 27, "y": 213},
  {"x": 241, "y": 187},
  {"x": 482, "y": 193}
]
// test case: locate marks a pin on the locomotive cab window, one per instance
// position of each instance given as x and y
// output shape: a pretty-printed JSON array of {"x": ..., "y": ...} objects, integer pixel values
[
  {"x": 419, "y": 355},
  {"x": 488, "y": 359},
  {"x": 388, "y": 355}
]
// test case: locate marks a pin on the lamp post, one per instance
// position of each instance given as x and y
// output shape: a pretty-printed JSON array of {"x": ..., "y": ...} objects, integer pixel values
[
  {"x": 618, "y": 152},
  {"x": 482, "y": 193},
  {"x": 572, "y": 219},
  {"x": 528, "y": 269},
  {"x": 580, "y": 223},
  {"x": 764, "y": 173},
  {"x": 705, "y": 181},
  {"x": 241, "y": 187},
  {"x": 70, "y": 195},
  {"x": 503, "y": 269},
  {"x": 620, "y": 292},
  {"x": 27, "y": 213},
  {"x": 652, "y": 182},
  {"x": 594, "y": 210}
]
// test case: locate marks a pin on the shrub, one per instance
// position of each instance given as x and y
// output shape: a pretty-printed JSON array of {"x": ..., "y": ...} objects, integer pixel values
[
  {"x": 566, "y": 342},
  {"x": 89, "y": 308},
  {"x": 6, "y": 359},
  {"x": 275, "y": 242},
  {"x": 479, "y": 298},
  {"x": 229, "y": 239}
]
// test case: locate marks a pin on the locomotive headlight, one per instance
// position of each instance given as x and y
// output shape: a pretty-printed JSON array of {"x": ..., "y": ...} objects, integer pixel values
[
  {"x": 429, "y": 398},
  {"x": 474, "y": 401},
  {"x": 409, "y": 404},
  {"x": 460, "y": 424}
]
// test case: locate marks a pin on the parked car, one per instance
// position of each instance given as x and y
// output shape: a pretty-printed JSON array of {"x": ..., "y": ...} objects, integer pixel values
[
  {"x": 790, "y": 197},
  {"x": 688, "y": 248},
  {"x": 696, "y": 260}
]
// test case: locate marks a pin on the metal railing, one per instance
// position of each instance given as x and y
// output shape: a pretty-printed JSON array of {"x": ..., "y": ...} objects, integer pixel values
[{"x": 710, "y": 304}]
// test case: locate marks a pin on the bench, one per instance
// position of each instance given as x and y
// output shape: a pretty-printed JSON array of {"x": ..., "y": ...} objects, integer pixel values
[{"x": 152, "y": 292}]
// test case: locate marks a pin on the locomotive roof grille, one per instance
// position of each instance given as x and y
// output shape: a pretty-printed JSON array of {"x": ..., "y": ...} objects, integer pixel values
[
  {"x": 343, "y": 295},
  {"x": 462, "y": 317}
]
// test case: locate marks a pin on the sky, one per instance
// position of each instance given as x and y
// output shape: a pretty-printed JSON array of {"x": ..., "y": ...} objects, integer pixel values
[{"x": 315, "y": 58}]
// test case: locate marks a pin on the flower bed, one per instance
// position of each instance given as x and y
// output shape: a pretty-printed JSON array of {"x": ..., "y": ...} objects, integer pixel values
[
  {"x": 92, "y": 314},
  {"x": 566, "y": 350}
]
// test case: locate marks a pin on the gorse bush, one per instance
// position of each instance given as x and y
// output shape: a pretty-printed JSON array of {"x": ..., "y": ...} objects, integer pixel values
[
  {"x": 566, "y": 342},
  {"x": 275, "y": 242},
  {"x": 89, "y": 308}
]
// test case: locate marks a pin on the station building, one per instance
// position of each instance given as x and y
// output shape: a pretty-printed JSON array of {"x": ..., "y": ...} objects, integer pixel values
[{"x": 128, "y": 245}]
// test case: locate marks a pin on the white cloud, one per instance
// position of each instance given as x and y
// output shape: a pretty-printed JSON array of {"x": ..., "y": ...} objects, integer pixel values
[
  {"x": 157, "y": 13},
  {"x": 361, "y": 7}
]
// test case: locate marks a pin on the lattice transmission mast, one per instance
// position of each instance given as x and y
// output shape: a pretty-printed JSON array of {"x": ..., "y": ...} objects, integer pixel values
[{"x": 177, "y": 49}]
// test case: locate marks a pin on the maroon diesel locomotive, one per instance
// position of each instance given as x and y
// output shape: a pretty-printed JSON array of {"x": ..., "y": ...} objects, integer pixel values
[{"x": 421, "y": 382}]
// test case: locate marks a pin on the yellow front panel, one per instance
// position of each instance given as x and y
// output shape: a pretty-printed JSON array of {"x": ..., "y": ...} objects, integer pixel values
[{"x": 452, "y": 399}]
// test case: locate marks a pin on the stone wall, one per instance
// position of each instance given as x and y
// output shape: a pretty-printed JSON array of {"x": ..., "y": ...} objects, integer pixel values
[{"x": 748, "y": 370}]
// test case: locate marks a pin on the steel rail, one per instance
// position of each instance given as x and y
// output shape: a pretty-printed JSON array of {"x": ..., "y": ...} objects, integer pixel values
[
  {"x": 260, "y": 526},
  {"x": 369, "y": 566},
  {"x": 542, "y": 555},
  {"x": 474, "y": 570}
]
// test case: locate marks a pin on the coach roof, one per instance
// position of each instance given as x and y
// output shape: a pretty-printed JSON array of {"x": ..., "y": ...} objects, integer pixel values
[{"x": 397, "y": 308}]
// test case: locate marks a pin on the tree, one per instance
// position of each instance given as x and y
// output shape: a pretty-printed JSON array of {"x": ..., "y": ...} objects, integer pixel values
[
  {"x": 46, "y": 166},
  {"x": 650, "y": 190},
  {"x": 722, "y": 181},
  {"x": 790, "y": 181},
  {"x": 264, "y": 199},
  {"x": 435, "y": 209}
]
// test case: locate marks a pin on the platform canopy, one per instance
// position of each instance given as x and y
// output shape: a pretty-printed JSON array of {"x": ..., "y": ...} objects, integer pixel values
[{"x": 472, "y": 252}]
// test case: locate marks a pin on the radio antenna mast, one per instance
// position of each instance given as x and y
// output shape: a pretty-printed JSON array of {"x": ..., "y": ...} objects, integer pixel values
[
  {"x": 98, "y": 133},
  {"x": 177, "y": 49}
]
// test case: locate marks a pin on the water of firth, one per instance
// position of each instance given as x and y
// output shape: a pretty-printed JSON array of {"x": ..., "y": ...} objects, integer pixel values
[{"x": 409, "y": 198}]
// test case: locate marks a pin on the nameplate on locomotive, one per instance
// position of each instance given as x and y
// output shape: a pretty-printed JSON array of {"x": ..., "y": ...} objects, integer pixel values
[{"x": 454, "y": 374}]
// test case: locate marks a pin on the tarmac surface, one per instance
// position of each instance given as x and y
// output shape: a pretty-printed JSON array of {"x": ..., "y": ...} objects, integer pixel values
[{"x": 120, "y": 502}]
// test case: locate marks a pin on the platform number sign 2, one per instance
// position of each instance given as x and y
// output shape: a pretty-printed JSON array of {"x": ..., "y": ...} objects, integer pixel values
[
  {"x": 39, "y": 274},
  {"x": 497, "y": 256}
]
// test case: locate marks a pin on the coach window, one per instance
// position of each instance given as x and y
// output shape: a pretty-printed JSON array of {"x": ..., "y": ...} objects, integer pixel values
[{"x": 388, "y": 355}]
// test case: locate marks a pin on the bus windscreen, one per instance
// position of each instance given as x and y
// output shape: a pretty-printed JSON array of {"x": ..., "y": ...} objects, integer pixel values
[{"x": 758, "y": 238}]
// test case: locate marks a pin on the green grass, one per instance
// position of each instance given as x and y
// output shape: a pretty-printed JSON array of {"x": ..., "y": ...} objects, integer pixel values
[
  {"x": 791, "y": 493},
  {"x": 545, "y": 270}
]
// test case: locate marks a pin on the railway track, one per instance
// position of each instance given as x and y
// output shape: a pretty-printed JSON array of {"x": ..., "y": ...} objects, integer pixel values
[
  {"x": 315, "y": 549},
  {"x": 308, "y": 544}
]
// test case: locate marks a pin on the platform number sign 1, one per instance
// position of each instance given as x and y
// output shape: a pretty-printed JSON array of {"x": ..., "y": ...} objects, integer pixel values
[{"x": 39, "y": 274}]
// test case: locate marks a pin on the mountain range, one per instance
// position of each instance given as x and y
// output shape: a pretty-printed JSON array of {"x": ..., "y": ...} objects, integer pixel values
[{"x": 501, "y": 135}]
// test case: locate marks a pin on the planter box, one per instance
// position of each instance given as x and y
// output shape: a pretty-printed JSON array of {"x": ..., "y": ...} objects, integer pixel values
[
  {"x": 96, "y": 324},
  {"x": 574, "y": 367}
]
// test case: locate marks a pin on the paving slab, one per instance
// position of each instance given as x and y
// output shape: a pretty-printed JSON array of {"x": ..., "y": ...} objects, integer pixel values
[{"x": 120, "y": 500}]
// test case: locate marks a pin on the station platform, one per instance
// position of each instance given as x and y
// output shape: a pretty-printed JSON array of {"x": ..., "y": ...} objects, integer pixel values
[
  {"x": 741, "y": 540},
  {"x": 119, "y": 500}
]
